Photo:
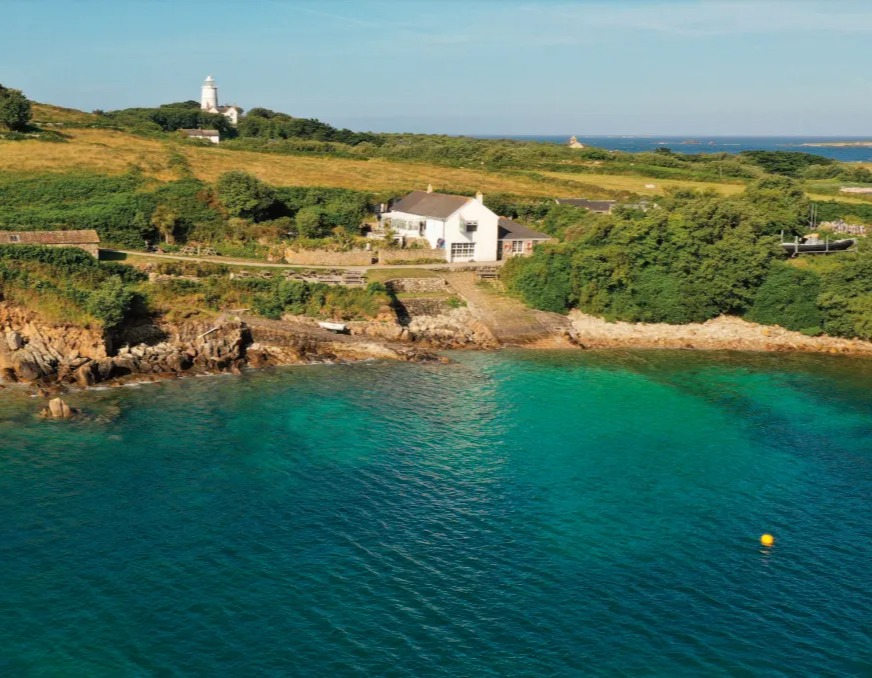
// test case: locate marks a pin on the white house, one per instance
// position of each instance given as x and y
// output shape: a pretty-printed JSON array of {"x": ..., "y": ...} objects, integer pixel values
[
  {"x": 209, "y": 102},
  {"x": 207, "y": 134},
  {"x": 463, "y": 227}
]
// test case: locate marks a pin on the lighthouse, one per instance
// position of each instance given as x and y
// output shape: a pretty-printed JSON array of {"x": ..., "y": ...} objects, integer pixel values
[{"x": 209, "y": 96}]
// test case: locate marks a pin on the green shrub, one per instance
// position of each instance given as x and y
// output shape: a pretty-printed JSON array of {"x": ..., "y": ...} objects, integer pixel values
[
  {"x": 544, "y": 280},
  {"x": 788, "y": 298},
  {"x": 70, "y": 280}
]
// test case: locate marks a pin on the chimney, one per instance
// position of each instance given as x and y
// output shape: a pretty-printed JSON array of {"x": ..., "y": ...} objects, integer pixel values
[
  {"x": 480, "y": 197},
  {"x": 429, "y": 188}
]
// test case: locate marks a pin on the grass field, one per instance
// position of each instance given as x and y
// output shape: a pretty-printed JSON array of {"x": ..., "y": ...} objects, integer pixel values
[
  {"x": 634, "y": 184},
  {"x": 115, "y": 152},
  {"x": 46, "y": 113}
]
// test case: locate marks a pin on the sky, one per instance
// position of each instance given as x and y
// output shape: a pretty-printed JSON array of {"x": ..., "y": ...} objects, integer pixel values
[{"x": 676, "y": 67}]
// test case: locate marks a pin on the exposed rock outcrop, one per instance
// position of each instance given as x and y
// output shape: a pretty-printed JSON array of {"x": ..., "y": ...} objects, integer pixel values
[
  {"x": 57, "y": 408},
  {"x": 723, "y": 333},
  {"x": 48, "y": 355},
  {"x": 430, "y": 323}
]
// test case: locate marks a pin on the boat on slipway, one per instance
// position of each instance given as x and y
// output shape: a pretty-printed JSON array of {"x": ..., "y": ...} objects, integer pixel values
[{"x": 817, "y": 246}]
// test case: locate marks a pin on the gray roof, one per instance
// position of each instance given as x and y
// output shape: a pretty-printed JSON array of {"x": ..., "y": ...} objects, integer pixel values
[
  {"x": 593, "y": 205},
  {"x": 84, "y": 237},
  {"x": 510, "y": 230},
  {"x": 435, "y": 205}
]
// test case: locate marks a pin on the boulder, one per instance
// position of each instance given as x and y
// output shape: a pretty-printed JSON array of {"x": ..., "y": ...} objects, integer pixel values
[
  {"x": 104, "y": 369},
  {"x": 58, "y": 409},
  {"x": 14, "y": 341},
  {"x": 27, "y": 370},
  {"x": 84, "y": 375}
]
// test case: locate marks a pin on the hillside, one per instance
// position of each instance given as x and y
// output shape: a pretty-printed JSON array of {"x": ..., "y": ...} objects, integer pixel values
[
  {"x": 403, "y": 162},
  {"x": 49, "y": 114},
  {"x": 114, "y": 152},
  {"x": 701, "y": 253}
]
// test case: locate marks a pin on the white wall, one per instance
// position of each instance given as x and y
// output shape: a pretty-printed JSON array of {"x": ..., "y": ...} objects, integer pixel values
[
  {"x": 484, "y": 237},
  {"x": 232, "y": 115},
  {"x": 453, "y": 230}
]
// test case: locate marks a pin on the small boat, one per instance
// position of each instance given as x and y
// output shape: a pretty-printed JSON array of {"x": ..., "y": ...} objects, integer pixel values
[
  {"x": 333, "y": 327},
  {"x": 817, "y": 246}
]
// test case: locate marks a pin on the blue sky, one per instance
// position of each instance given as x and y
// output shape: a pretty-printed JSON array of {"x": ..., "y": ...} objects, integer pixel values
[{"x": 463, "y": 66}]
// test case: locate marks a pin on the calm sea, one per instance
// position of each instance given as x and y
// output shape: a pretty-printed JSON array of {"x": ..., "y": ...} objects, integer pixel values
[
  {"x": 635, "y": 144},
  {"x": 512, "y": 514}
]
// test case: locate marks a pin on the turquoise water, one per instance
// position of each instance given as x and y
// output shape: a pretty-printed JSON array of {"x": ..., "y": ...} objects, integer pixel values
[{"x": 510, "y": 514}]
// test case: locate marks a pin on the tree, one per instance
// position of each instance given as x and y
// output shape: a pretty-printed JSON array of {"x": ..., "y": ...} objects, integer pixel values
[
  {"x": 110, "y": 302},
  {"x": 164, "y": 219},
  {"x": 309, "y": 222},
  {"x": 15, "y": 110},
  {"x": 244, "y": 195},
  {"x": 781, "y": 204},
  {"x": 788, "y": 297}
]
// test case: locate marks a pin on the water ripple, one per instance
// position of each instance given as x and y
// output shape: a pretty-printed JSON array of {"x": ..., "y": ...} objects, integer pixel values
[{"x": 511, "y": 514}]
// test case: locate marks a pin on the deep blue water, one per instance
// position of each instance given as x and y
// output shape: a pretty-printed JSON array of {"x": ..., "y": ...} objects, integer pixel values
[
  {"x": 692, "y": 144},
  {"x": 522, "y": 514}
]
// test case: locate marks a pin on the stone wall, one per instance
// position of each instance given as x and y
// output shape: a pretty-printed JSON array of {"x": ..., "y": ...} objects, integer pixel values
[
  {"x": 415, "y": 285},
  {"x": 328, "y": 258},
  {"x": 410, "y": 255}
]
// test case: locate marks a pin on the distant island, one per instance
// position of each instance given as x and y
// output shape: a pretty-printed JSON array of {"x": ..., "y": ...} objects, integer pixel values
[{"x": 839, "y": 144}]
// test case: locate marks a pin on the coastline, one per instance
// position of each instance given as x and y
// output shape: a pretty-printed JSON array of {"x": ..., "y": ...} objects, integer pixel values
[{"x": 53, "y": 359}]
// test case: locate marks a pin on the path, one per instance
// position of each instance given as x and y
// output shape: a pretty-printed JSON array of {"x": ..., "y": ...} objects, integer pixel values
[
  {"x": 230, "y": 261},
  {"x": 510, "y": 321}
]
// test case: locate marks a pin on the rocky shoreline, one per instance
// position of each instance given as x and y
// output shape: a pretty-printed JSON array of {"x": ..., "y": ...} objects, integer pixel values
[
  {"x": 725, "y": 333},
  {"x": 56, "y": 358}
]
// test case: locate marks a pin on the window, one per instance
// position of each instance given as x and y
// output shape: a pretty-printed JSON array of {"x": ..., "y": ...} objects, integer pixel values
[
  {"x": 462, "y": 250},
  {"x": 422, "y": 227},
  {"x": 471, "y": 226},
  {"x": 14, "y": 238},
  {"x": 517, "y": 246}
]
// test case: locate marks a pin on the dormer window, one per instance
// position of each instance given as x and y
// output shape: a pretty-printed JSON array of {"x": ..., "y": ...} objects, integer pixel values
[
  {"x": 471, "y": 226},
  {"x": 14, "y": 238}
]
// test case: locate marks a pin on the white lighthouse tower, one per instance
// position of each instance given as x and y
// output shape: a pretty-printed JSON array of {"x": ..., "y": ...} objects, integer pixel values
[{"x": 209, "y": 96}]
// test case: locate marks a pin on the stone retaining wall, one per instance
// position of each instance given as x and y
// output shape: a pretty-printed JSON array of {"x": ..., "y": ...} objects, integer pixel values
[
  {"x": 410, "y": 255},
  {"x": 413, "y": 285},
  {"x": 328, "y": 258}
]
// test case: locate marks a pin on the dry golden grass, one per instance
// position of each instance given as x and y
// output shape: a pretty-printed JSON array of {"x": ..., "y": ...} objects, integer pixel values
[
  {"x": 47, "y": 113},
  {"x": 111, "y": 152},
  {"x": 114, "y": 152},
  {"x": 841, "y": 197},
  {"x": 634, "y": 184},
  {"x": 89, "y": 149}
]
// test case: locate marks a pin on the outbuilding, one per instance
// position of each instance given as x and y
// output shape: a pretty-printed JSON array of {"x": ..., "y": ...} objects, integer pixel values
[
  {"x": 87, "y": 240},
  {"x": 516, "y": 240},
  {"x": 208, "y": 134}
]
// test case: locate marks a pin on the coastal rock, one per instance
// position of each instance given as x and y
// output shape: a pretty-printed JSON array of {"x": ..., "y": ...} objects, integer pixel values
[
  {"x": 84, "y": 375},
  {"x": 14, "y": 341},
  {"x": 58, "y": 409},
  {"x": 722, "y": 333},
  {"x": 52, "y": 356}
]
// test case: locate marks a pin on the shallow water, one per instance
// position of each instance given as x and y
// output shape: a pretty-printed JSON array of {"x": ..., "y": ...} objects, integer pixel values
[{"x": 512, "y": 514}]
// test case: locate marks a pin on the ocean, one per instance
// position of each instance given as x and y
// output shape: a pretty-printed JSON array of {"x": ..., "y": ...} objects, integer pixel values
[
  {"x": 726, "y": 144},
  {"x": 511, "y": 514}
]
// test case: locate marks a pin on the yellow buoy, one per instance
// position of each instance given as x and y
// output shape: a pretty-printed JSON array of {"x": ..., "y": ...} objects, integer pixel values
[{"x": 767, "y": 540}]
